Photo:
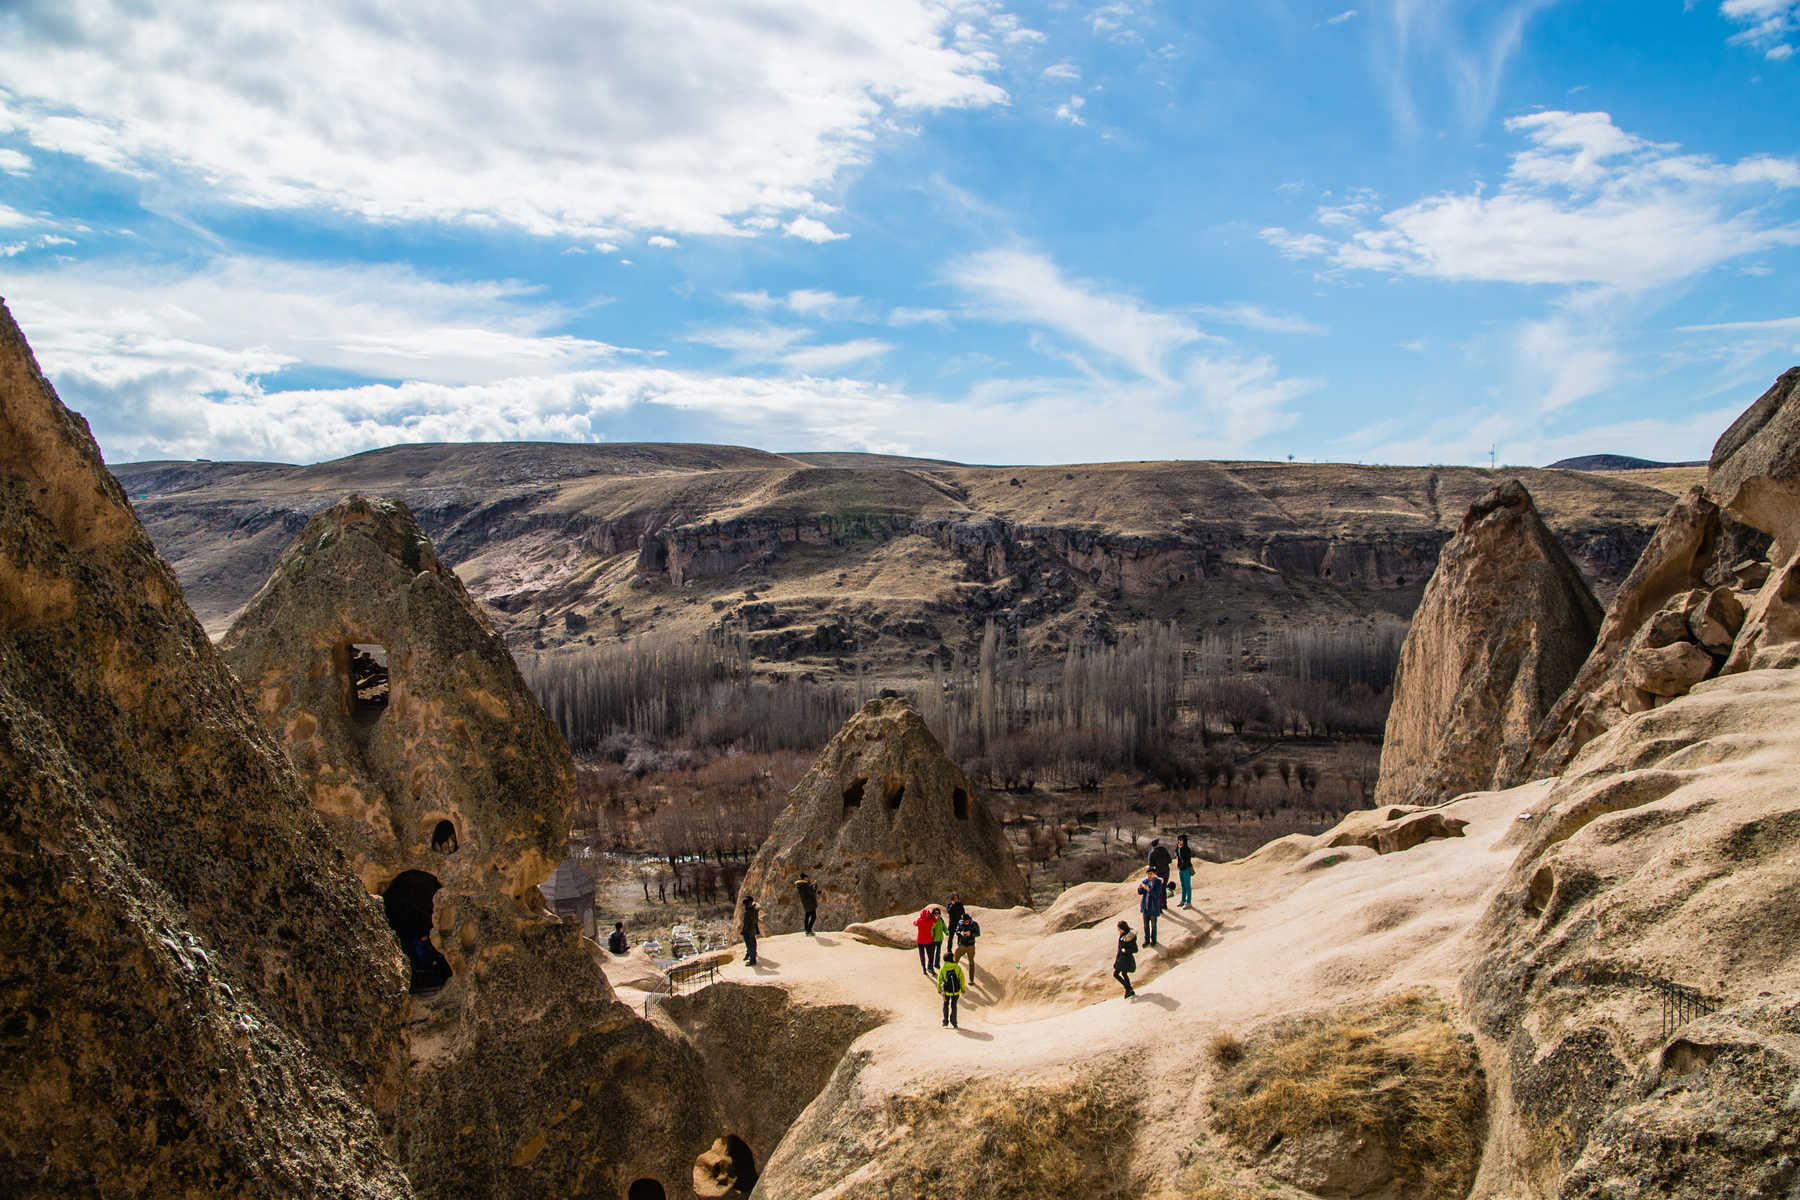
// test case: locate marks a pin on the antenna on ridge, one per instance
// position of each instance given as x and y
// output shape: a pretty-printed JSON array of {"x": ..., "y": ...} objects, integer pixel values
[{"x": 1491, "y": 449}]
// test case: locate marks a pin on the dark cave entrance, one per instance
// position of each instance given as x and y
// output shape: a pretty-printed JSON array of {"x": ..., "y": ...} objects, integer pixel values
[
  {"x": 646, "y": 1189},
  {"x": 743, "y": 1162},
  {"x": 443, "y": 838},
  {"x": 854, "y": 793},
  {"x": 959, "y": 804},
  {"x": 407, "y": 902},
  {"x": 368, "y": 682}
]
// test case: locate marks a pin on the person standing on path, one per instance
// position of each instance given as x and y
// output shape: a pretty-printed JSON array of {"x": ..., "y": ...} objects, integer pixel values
[
  {"x": 1184, "y": 866},
  {"x": 939, "y": 931},
  {"x": 926, "y": 925},
  {"x": 967, "y": 930},
  {"x": 1152, "y": 896},
  {"x": 808, "y": 891},
  {"x": 750, "y": 928},
  {"x": 615, "y": 941},
  {"x": 953, "y": 915},
  {"x": 1159, "y": 862},
  {"x": 1125, "y": 959},
  {"x": 950, "y": 986}
]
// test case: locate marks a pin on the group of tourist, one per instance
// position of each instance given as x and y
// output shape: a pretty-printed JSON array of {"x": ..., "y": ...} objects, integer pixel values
[
  {"x": 946, "y": 937},
  {"x": 1153, "y": 898}
]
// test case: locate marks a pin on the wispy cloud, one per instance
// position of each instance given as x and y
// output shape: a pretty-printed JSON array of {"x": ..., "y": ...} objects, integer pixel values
[
  {"x": 836, "y": 356},
  {"x": 902, "y": 317},
  {"x": 1349, "y": 14},
  {"x": 1771, "y": 26},
  {"x": 809, "y": 229},
  {"x": 1070, "y": 110},
  {"x": 1460, "y": 46},
  {"x": 1249, "y": 316},
  {"x": 13, "y": 163}
]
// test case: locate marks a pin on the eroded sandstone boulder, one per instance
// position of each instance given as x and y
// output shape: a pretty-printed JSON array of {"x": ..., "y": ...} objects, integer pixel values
[
  {"x": 1754, "y": 472},
  {"x": 1506, "y": 622},
  {"x": 196, "y": 998},
  {"x": 883, "y": 822},
  {"x": 1639, "y": 968},
  {"x": 449, "y": 789}
]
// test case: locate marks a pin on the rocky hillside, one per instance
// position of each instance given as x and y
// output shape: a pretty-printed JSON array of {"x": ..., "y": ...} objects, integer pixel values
[{"x": 827, "y": 557}]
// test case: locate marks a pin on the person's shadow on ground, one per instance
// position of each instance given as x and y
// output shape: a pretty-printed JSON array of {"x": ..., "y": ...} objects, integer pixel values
[
  {"x": 975, "y": 1034},
  {"x": 763, "y": 965},
  {"x": 1160, "y": 1000}
]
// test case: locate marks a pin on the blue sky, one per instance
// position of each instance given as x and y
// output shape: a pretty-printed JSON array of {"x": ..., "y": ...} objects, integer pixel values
[{"x": 1406, "y": 231}]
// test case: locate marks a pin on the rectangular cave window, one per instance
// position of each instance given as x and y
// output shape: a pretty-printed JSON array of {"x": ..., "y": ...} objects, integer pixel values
[
  {"x": 368, "y": 682},
  {"x": 895, "y": 796},
  {"x": 853, "y": 794},
  {"x": 959, "y": 803}
]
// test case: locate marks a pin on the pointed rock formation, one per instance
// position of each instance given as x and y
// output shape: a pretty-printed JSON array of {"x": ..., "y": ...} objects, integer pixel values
[
  {"x": 883, "y": 822},
  {"x": 1754, "y": 473},
  {"x": 196, "y": 998},
  {"x": 1505, "y": 624},
  {"x": 443, "y": 780}
]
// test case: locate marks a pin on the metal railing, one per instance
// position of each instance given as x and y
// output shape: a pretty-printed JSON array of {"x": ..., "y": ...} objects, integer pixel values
[
  {"x": 680, "y": 978},
  {"x": 1680, "y": 1005}
]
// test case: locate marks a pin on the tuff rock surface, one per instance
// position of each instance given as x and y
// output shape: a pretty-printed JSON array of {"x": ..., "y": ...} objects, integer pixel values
[
  {"x": 527, "y": 1076},
  {"x": 196, "y": 998},
  {"x": 1662, "y": 863},
  {"x": 1754, "y": 472},
  {"x": 883, "y": 821},
  {"x": 1505, "y": 624}
]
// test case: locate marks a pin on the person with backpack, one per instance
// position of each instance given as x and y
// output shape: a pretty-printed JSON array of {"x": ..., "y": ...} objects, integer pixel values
[
  {"x": 1184, "y": 866},
  {"x": 953, "y": 915},
  {"x": 615, "y": 941},
  {"x": 750, "y": 928},
  {"x": 808, "y": 891},
  {"x": 927, "y": 937},
  {"x": 967, "y": 930},
  {"x": 1125, "y": 959},
  {"x": 1152, "y": 898},
  {"x": 1159, "y": 862},
  {"x": 950, "y": 987}
]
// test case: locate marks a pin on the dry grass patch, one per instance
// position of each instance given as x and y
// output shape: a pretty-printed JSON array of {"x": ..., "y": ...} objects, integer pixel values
[
  {"x": 1011, "y": 1143},
  {"x": 1396, "y": 1074}
]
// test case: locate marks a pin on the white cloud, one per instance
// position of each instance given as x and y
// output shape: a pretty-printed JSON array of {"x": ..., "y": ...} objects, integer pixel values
[
  {"x": 1065, "y": 72},
  {"x": 12, "y": 218},
  {"x": 812, "y": 359},
  {"x": 681, "y": 115},
  {"x": 751, "y": 344},
  {"x": 1071, "y": 111},
  {"x": 13, "y": 163},
  {"x": 805, "y": 302},
  {"x": 1346, "y": 15},
  {"x": 1768, "y": 25},
  {"x": 661, "y": 242},
  {"x": 902, "y": 317},
  {"x": 811, "y": 230},
  {"x": 1235, "y": 399},
  {"x": 1584, "y": 204},
  {"x": 1784, "y": 324},
  {"x": 1249, "y": 316}
]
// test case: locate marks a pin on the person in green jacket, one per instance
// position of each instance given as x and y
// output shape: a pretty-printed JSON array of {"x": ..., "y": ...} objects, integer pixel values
[{"x": 950, "y": 986}]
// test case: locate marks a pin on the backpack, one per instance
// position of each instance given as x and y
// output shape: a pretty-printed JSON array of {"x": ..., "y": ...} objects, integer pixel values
[{"x": 950, "y": 979}]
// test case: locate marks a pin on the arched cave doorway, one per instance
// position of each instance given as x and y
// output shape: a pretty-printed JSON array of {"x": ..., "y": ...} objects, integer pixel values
[
  {"x": 443, "y": 838},
  {"x": 407, "y": 902},
  {"x": 959, "y": 804},
  {"x": 368, "y": 682},
  {"x": 645, "y": 1189}
]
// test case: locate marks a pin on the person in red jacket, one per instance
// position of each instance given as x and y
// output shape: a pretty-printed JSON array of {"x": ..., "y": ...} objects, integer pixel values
[{"x": 926, "y": 924}]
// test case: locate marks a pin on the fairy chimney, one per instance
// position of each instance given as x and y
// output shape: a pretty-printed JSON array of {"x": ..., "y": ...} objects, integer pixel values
[
  {"x": 1505, "y": 624},
  {"x": 196, "y": 998},
  {"x": 883, "y": 822}
]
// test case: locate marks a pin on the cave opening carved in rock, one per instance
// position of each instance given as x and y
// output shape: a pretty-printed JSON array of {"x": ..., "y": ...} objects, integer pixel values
[
  {"x": 727, "y": 1169},
  {"x": 368, "y": 664},
  {"x": 854, "y": 793},
  {"x": 443, "y": 838},
  {"x": 959, "y": 804},
  {"x": 407, "y": 903},
  {"x": 896, "y": 796},
  {"x": 645, "y": 1189}
]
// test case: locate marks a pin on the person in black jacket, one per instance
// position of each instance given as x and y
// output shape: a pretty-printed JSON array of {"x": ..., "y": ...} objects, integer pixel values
[
  {"x": 615, "y": 941},
  {"x": 808, "y": 891},
  {"x": 1125, "y": 960},
  {"x": 1159, "y": 861},
  {"x": 953, "y": 915},
  {"x": 1184, "y": 866},
  {"x": 750, "y": 928}
]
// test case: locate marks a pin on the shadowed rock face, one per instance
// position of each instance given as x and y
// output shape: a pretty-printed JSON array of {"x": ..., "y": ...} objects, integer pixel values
[
  {"x": 527, "y": 1076},
  {"x": 196, "y": 998},
  {"x": 883, "y": 821},
  {"x": 1505, "y": 624},
  {"x": 1754, "y": 473}
]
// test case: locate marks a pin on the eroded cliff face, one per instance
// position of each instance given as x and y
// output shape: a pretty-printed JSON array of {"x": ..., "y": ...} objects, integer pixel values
[
  {"x": 441, "y": 778},
  {"x": 196, "y": 998}
]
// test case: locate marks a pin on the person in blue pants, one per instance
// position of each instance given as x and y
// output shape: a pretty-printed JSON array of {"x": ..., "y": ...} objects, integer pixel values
[{"x": 1184, "y": 866}]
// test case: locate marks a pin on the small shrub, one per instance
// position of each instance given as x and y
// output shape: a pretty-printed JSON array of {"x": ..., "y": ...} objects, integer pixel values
[{"x": 1227, "y": 1048}]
